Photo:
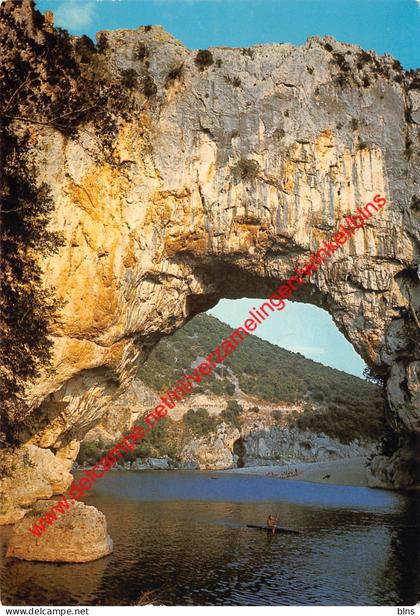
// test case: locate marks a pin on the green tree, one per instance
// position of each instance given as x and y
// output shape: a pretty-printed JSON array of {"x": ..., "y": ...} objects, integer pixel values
[
  {"x": 27, "y": 308},
  {"x": 231, "y": 414},
  {"x": 199, "y": 421}
]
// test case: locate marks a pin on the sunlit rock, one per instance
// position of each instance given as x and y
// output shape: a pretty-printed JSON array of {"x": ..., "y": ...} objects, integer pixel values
[
  {"x": 215, "y": 451},
  {"x": 40, "y": 475},
  {"x": 220, "y": 179},
  {"x": 78, "y": 536}
]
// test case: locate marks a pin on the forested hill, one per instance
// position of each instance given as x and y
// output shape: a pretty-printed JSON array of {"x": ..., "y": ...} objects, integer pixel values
[{"x": 335, "y": 402}]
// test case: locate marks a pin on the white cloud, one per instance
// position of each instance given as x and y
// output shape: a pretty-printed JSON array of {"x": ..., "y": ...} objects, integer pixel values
[{"x": 75, "y": 14}]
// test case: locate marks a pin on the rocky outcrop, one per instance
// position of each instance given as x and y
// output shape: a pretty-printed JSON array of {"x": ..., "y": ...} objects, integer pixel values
[
  {"x": 226, "y": 169},
  {"x": 258, "y": 440},
  {"x": 79, "y": 536},
  {"x": 215, "y": 451},
  {"x": 401, "y": 470},
  {"x": 288, "y": 445},
  {"x": 40, "y": 472}
]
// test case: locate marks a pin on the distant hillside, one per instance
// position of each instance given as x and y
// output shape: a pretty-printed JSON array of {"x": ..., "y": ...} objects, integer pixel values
[{"x": 340, "y": 405}]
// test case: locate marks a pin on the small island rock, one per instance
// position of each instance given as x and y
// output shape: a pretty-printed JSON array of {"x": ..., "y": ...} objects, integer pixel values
[{"x": 80, "y": 535}]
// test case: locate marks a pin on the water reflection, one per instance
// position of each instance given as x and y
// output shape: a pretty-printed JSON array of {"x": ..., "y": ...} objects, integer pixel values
[
  {"x": 184, "y": 536},
  {"x": 404, "y": 555}
]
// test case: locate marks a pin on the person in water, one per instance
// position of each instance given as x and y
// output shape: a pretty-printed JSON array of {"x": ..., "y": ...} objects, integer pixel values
[{"x": 271, "y": 524}]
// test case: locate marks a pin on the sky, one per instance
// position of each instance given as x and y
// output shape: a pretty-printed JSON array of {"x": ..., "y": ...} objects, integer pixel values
[
  {"x": 301, "y": 328},
  {"x": 391, "y": 26}
]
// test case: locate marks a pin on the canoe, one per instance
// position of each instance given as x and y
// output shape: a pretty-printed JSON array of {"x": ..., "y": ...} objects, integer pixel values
[{"x": 279, "y": 529}]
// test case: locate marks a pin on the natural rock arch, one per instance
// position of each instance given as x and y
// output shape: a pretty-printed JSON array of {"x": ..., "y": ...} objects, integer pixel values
[{"x": 222, "y": 177}]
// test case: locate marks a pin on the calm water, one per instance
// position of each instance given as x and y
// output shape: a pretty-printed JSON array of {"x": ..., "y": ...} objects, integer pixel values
[{"x": 182, "y": 535}]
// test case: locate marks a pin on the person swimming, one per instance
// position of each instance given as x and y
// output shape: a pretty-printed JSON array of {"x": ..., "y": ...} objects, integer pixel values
[{"x": 271, "y": 524}]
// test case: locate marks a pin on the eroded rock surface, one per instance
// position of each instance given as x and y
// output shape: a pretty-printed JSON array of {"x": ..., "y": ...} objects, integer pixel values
[
  {"x": 291, "y": 445},
  {"x": 223, "y": 176},
  {"x": 215, "y": 451},
  {"x": 79, "y": 536},
  {"x": 40, "y": 473}
]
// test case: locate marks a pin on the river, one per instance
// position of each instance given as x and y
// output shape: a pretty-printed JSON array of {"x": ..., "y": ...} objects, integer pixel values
[{"x": 182, "y": 536}]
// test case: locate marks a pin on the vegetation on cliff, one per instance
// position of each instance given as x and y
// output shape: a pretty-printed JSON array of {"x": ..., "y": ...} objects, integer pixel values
[
  {"x": 167, "y": 437},
  {"x": 27, "y": 307},
  {"x": 336, "y": 403},
  {"x": 39, "y": 63},
  {"x": 159, "y": 443}
]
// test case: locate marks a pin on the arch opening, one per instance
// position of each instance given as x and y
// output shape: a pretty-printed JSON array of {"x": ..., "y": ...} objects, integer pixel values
[{"x": 262, "y": 405}]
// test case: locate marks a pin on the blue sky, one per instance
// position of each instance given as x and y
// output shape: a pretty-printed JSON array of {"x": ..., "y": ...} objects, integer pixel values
[
  {"x": 391, "y": 26},
  {"x": 301, "y": 328}
]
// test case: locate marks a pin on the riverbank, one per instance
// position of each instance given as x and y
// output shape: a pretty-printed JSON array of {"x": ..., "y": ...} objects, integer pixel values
[{"x": 343, "y": 472}]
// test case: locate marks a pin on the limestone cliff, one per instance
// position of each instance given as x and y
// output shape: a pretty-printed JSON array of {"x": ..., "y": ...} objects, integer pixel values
[
  {"x": 264, "y": 433},
  {"x": 224, "y": 168}
]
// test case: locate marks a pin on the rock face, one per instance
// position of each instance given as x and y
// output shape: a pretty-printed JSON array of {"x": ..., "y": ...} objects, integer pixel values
[
  {"x": 290, "y": 445},
  {"x": 215, "y": 451},
  {"x": 231, "y": 167},
  {"x": 41, "y": 474},
  {"x": 258, "y": 440},
  {"x": 400, "y": 470},
  {"x": 79, "y": 536}
]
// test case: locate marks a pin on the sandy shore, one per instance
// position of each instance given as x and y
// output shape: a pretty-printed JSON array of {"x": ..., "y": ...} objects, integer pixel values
[{"x": 344, "y": 472}]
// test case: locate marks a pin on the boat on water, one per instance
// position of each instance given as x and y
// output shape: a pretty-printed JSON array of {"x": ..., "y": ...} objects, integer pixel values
[{"x": 278, "y": 529}]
